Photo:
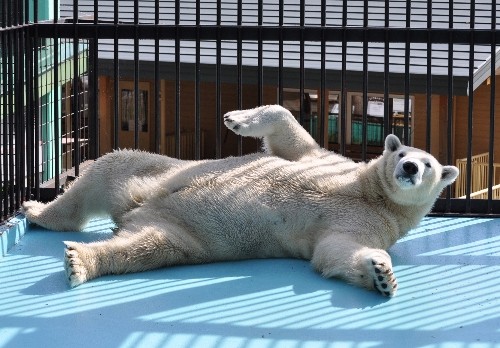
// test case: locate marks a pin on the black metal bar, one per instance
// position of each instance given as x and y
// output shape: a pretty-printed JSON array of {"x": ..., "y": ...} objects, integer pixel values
[
  {"x": 260, "y": 45},
  {"x": 491, "y": 147},
  {"x": 280, "y": 51},
  {"x": 29, "y": 78},
  {"x": 136, "y": 75},
  {"x": 157, "y": 85},
  {"x": 302, "y": 64},
  {"x": 76, "y": 93},
  {"x": 177, "y": 83},
  {"x": 387, "y": 114},
  {"x": 428, "y": 112},
  {"x": 21, "y": 112},
  {"x": 116, "y": 76},
  {"x": 470, "y": 109},
  {"x": 36, "y": 95},
  {"x": 218, "y": 53},
  {"x": 239, "y": 63},
  {"x": 93, "y": 116},
  {"x": 406, "y": 118},
  {"x": 323, "y": 94},
  {"x": 197, "y": 117},
  {"x": 4, "y": 171},
  {"x": 364, "y": 133},
  {"x": 270, "y": 33},
  {"x": 11, "y": 120},
  {"x": 449, "y": 142},
  {"x": 343, "y": 83},
  {"x": 56, "y": 139}
]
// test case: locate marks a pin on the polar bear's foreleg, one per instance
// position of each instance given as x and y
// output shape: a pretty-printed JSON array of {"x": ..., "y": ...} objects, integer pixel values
[
  {"x": 68, "y": 212},
  {"x": 128, "y": 252},
  {"x": 283, "y": 136},
  {"x": 359, "y": 265}
]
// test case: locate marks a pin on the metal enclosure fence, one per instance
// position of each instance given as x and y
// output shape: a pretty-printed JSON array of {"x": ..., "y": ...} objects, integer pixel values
[{"x": 72, "y": 74}]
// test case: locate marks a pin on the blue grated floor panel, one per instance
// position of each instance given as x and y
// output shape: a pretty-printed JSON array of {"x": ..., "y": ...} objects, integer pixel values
[{"x": 449, "y": 296}]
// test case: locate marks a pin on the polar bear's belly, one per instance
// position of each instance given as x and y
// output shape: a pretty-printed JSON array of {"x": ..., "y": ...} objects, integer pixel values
[{"x": 241, "y": 221}]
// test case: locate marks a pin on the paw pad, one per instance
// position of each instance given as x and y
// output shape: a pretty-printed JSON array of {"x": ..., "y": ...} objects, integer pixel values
[{"x": 384, "y": 280}]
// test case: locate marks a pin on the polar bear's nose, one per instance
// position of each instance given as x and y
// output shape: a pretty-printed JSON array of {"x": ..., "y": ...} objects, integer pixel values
[{"x": 410, "y": 168}]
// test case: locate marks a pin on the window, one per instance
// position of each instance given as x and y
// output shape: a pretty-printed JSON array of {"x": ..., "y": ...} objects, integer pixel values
[
  {"x": 375, "y": 118},
  {"x": 127, "y": 100},
  {"x": 375, "y": 115}
]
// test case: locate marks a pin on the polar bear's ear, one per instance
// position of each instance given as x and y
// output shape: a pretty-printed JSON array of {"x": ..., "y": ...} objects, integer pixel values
[
  {"x": 449, "y": 174},
  {"x": 392, "y": 143}
]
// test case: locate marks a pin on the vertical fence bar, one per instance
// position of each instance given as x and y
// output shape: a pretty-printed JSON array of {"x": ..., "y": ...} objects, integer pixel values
[
  {"x": 93, "y": 116},
  {"x": 197, "y": 118},
  {"x": 36, "y": 85},
  {"x": 218, "y": 53},
  {"x": 343, "y": 83},
  {"x": 239, "y": 64},
  {"x": 406, "y": 132},
  {"x": 116, "y": 75},
  {"x": 280, "y": 52},
  {"x": 428, "y": 112},
  {"x": 76, "y": 92},
  {"x": 387, "y": 115},
  {"x": 449, "y": 143},
  {"x": 365, "y": 83},
  {"x": 136, "y": 74},
  {"x": 470, "y": 110},
  {"x": 323, "y": 95},
  {"x": 491, "y": 146},
  {"x": 157, "y": 86},
  {"x": 302, "y": 63},
  {"x": 177, "y": 82},
  {"x": 57, "y": 131},
  {"x": 21, "y": 112},
  {"x": 11, "y": 116},
  {"x": 5, "y": 90},
  {"x": 260, "y": 68},
  {"x": 28, "y": 76}
]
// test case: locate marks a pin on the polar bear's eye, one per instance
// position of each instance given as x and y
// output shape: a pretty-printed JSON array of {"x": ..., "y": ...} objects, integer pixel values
[
  {"x": 402, "y": 154},
  {"x": 428, "y": 165}
]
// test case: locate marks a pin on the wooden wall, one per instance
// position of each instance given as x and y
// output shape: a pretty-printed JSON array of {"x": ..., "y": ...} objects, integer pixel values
[
  {"x": 229, "y": 101},
  {"x": 481, "y": 122},
  {"x": 208, "y": 117}
]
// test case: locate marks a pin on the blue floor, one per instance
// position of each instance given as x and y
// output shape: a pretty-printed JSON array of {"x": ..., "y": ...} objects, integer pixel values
[{"x": 449, "y": 296}]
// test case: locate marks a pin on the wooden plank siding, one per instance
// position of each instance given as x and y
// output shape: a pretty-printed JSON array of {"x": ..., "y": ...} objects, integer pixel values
[
  {"x": 481, "y": 119},
  {"x": 208, "y": 100}
]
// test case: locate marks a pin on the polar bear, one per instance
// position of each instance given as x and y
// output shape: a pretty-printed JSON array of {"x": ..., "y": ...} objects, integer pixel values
[{"x": 295, "y": 200}]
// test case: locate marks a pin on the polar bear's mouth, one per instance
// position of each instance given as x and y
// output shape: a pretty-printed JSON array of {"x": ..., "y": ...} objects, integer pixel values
[{"x": 406, "y": 180}]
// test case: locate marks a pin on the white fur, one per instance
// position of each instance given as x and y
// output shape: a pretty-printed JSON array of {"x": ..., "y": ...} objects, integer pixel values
[{"x": 297, "y": 200}]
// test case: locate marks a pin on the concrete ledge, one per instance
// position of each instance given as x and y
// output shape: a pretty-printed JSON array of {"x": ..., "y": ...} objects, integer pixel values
[{"x": 11, "y": 231}]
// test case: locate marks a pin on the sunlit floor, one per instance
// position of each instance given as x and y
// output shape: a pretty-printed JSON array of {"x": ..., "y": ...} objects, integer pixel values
[{"x": 449, "y": 296}]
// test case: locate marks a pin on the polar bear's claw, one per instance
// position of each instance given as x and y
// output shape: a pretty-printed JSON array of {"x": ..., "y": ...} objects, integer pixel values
[
  {"x": 384, "y": 280},
  {"x": 73, "y": 264}
]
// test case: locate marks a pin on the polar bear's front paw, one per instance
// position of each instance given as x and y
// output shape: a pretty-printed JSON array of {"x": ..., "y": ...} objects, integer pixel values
[
  {"x": 248, "y": 122},
  {"x": 32, "y": 209},
  {"x": 384, "y": 280},
  {"x": 76, "y": 270}
]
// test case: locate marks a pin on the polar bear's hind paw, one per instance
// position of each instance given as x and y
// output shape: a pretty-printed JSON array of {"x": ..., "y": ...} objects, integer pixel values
[{"x": 384, "y": 280}]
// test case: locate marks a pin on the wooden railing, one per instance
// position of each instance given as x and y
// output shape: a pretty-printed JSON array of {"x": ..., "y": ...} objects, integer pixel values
[{"x": 479, "y": 177}]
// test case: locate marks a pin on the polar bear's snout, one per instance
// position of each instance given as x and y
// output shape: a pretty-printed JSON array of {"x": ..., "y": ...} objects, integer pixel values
[{"x": 408, "y": 173}]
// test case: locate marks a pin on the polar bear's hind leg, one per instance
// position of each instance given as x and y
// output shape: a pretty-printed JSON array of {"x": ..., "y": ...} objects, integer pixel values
[
  {"x": 131, "y": 251},
  {"x": 283, "y": 136}
]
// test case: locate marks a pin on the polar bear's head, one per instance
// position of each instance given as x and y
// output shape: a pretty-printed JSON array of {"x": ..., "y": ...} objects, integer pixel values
[{"x": 412, "y": 176}]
